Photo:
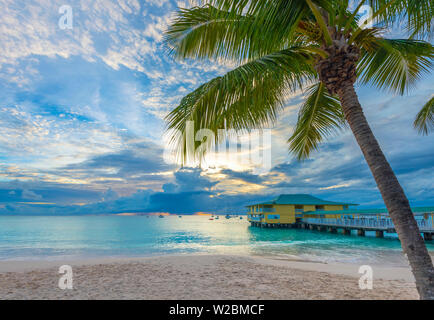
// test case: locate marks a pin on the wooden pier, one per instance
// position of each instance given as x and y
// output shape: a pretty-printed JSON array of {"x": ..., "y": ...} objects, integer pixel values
[{"x": 361, "y": 225}]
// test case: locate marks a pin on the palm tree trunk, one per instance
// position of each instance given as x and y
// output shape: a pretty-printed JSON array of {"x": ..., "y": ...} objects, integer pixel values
[{"x": 393, "y": 195}]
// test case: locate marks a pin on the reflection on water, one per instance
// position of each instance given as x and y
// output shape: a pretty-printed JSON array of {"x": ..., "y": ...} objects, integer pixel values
[{"x": 90, "y": 236}]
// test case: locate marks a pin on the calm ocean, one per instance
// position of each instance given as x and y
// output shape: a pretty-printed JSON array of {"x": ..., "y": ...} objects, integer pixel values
[{"x": 26, "y": 238}]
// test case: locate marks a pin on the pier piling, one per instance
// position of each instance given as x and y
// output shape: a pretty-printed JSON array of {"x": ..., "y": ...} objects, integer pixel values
[
  {"x": 379, "y": 234},
  {"x": 347, "y": 232}
]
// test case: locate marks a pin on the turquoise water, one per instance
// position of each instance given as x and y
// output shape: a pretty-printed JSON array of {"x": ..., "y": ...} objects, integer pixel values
[{"x": 24, "y": 238}]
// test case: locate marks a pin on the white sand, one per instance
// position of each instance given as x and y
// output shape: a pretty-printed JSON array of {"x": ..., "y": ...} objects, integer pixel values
[{"x": 200, "y": 277}]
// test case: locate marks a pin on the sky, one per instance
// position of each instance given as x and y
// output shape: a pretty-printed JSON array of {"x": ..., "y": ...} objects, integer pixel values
[{"x": 82, "y": 127}]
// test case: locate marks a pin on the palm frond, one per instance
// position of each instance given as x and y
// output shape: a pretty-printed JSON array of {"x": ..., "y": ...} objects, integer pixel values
[
  {"x": 245, "y": 98},
  {"x": 420, "y": 16},
  {"x": 416, "y": 15},
  {"x": 232, "y": 31},
  {"x": 368, "y": 39},
  {"x": 425, "y": 118},
  {"x": 387, "y": 11},
  {"x": 395, "y": 65},
  {"x": 320, "y": 116},
  {"x": 274, "y": 14},
  {"x": 321, "y": 21}
]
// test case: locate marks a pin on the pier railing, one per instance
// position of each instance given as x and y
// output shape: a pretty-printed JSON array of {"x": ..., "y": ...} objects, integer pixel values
[{"x": 425, "y": 225}]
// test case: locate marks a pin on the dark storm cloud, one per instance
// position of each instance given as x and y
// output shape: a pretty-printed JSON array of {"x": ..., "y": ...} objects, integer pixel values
[
  {"x": 138, "y": 160},
  {"x": 47, "y": 192},
  {"x": 247, "y": 176}
]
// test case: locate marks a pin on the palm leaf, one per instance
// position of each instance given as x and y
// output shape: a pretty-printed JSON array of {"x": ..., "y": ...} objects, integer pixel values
[
  {"x": 395, "y": 65},
  {"x": 420, "y": 19},
  {"x": 368, "y": 39},
  {"x": 320, "y": 116},
  {"x": 416, "y": 15},
  {"x": 247, "y": 97},
  {"x": 425, "y": 118},
  {"x": 232, "y": 31},
  {"x": 278, "y": 16}
]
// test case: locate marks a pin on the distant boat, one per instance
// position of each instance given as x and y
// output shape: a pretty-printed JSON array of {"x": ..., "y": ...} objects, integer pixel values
[
  {"x": 160, "y": 216},
  {"x": 210, "y": 219},
  {"x": 217, "y": 217},
  {"x": 241, "y": 218},
  {"x": 228, "y": 216},
  {"x": 179, "y": 216}
]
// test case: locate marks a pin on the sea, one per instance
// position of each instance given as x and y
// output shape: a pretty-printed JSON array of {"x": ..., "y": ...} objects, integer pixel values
[{"x": 81, "y": 237}]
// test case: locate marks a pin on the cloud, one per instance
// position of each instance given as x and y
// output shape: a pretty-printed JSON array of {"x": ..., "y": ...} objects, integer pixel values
[
  {"x": 144, "y": 159},
  {"x": 30, "y": 195},
  {"x": 336, "y": 186},
  {"x": 82, "y": 122},
  {"x": 246, "y": 176},
  {"x": 191, "y": 179},
  {"x": 60, "y": 194}
]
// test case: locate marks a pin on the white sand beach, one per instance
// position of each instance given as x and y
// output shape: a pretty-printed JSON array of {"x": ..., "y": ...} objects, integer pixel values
[{"x": 210, "y": 277}]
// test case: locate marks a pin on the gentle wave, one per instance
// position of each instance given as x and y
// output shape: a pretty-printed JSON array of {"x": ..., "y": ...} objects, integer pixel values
[{"x": 36, "y": 238}]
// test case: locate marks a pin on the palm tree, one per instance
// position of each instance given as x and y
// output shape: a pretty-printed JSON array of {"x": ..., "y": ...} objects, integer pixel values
[{"x": 281, "y": 46}]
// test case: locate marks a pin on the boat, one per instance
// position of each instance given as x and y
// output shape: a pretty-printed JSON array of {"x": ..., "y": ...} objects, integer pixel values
[
  {"x": 227, "y": 216},
  {"x": 241, "y": 218},
  {"x": 160, "y": 216},
  {"x": 217, "y": 217},
  {"x": 210, "y": 219},
  {"x": 179, "y": 216}
]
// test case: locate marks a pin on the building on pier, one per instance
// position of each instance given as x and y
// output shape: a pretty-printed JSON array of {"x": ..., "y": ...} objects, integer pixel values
[
  {"x": 305, "y": 211},
  {"x": 288, "y": 208}
]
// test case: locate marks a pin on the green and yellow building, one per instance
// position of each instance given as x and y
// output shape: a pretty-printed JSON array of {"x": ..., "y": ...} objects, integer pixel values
[
  {"x": 309, "y": 212},
  {"x": 287, "y": 209}
]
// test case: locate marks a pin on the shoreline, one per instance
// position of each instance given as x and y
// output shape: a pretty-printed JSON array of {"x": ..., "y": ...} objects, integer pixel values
[{"x": 202, "y": 277}]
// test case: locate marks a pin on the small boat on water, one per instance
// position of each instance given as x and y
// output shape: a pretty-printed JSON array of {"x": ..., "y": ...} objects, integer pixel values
[
  {"x": 227, "y": 216},
  {"x": 210, "y": 219},
  {"x": 160, "y": 216},
  {"x": 179, "y": 216},
  {"x": 241, "y": 218},
  {"x": 217, "y": 217}
]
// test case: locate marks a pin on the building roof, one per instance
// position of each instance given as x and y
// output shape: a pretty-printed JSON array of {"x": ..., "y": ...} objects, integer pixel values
[
  {"x": 382, "y": 211},
  {"x": 302, "y": 199}
]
